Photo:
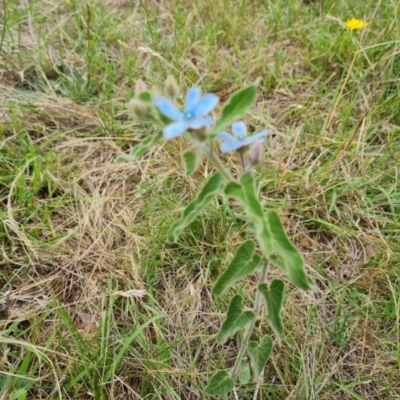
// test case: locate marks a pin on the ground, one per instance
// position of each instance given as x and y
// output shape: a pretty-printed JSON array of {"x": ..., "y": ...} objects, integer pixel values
[{"x": 100, "y": 304}]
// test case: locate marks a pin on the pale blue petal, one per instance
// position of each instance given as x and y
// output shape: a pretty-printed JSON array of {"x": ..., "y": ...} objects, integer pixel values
[
  {"x": 261, "y": 140},
  {"x": 226, "y": 137},
  {"x": 206, "y": 104},
  {"x": 230, "y": 146},
  {"x": 168, "y": 109},
  {"x": 175, "y": 129},
  {"x": 251, "y": 140},
  {"x": 239, "y": 129},
  {"x": 192, "y": 98},
  {"x": 256, "y": 136},
  {"x": 200, "y": 123}
]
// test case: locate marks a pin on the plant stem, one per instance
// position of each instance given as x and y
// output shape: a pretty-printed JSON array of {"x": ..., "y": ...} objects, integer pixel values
[
  {"x": 256, "y": 309},
  {"x": 242, "y": 161},
  {"x": 258, "y": 386},
  {"x": 217, "y": 163}
]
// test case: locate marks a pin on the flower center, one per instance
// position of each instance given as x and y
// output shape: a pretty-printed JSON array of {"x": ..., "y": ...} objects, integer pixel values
[{"x": 188, "y": 115}]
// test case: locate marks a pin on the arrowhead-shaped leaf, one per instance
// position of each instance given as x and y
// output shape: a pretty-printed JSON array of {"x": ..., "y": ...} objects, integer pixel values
[
  {"x": 259, "y": 354},
  {"x": 220, "y": 383},
  {"x": 236, "y": 319},
  {"x": 273, "y": 297},
  {"x": 141, "y": 148},
  {"x": 192, "y": 159},
  {"x": 255, "y": 210},
  {"x": 271, "y": 236},
  {"x": 287, "y": 257},
  {"x": 213, "y": 186},
  {"x": 246, "y": 194},
  {"x": 244, "y": 375},
  {"x": 243, "y": 264},
  {"x": 235, "y": 108}
]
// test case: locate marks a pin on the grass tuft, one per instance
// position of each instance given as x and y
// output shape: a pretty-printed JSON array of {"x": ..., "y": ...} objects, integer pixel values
[{"x": 99, "y": 304}]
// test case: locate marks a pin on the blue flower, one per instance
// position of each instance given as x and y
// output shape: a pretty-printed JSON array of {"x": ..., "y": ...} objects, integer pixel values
[
  {"x": 240, "y": 139},
  {"x": 196, "y": 107}
]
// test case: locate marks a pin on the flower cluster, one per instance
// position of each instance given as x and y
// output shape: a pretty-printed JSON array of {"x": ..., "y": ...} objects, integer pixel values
[{"x": 194, "y": 117}]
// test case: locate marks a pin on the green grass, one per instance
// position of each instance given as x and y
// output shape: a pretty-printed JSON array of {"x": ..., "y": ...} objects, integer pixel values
[{"x": 80, "y": 235}]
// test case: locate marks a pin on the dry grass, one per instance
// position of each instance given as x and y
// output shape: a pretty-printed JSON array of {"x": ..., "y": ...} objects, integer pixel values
[{"x": 82, "y": 237}]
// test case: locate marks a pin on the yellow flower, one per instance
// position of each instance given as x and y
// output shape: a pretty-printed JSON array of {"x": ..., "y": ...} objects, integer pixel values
[{"x": 355, "y": 24}]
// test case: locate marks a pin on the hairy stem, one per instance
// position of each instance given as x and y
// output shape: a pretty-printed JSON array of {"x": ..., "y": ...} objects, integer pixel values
[
  {"x": 250, "y": 327},
  {"x": 217, "y": 163},
  {"x": 243, "y": 162}
]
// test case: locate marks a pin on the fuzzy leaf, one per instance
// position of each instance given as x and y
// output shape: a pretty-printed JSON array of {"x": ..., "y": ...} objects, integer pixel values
[
  {"x": 141, "y": 148},
  {"x": 235, "y": 108},
  {"x": 192, "y": 159},
  {"x": 213, "y": 186},
  {"x": 243, "y": 264},
  {"x": 235, "y": 190},
  {"x": 273, "y": 298},
  {"x": 245, "y": 193},
  {"x": 146, "y": 96},
  {"x": 244, "y": 375},
  {"x": 273, "y": 241},
  {"x": 255, "y": 211},
  {"x": 259, "y": 354},
  {"x": 220, "y": 383},
  {"x": 236, "y": 319},
  {"x": 287, "y": 257}
]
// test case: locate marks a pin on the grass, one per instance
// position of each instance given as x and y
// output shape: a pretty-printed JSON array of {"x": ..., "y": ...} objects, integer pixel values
[{"x": 81, "y": 236}]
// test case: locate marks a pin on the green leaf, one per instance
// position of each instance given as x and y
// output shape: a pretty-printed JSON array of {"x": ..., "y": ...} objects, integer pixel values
[
  {"x": 245, "y": 193},
  {"x": 236, "y": 319},
  {"x": 220, "y": 383},
  {"x": 273, "y": 297},
  {"x": 146, "y": 96},
  {"x": 244, "y": 375},
  {"x": 235, "y": 108},
  {"x": 235, "y": 190},
  {"x": 192, "y": 159},
  {"x": 273, "y": 241},
  {"x": 141, "y": 148},
  {"x": 242, "y": 265},
  {"x": 259, "y": 354},
  {"x": 213, "y": 186},
  {"x": 287, "y": 257},
  {"x": 255, "y": 211}
]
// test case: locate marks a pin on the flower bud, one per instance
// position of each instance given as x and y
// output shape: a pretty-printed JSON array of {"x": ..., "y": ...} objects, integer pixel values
[
  {"x": 140, "y": 87},
  {"x": 199, "y": 134},
  {"x": 140, "y": 109},
  {"x": 171, "y": 88},
  {"x": 256, "y": 153}
]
